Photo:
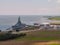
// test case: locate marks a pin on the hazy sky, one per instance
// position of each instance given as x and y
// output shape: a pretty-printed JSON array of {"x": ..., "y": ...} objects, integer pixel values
[{"x": 29, "y": 7}]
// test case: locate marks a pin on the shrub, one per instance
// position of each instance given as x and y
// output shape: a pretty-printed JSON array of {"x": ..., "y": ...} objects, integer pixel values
[
  {"x": 9, "y": 36},
  {"x": 0, "y": 30},
  {"x": 17, "y": 30}
]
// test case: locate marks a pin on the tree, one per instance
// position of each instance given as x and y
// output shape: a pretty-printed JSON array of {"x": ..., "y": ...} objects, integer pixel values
[{"x": 0, "y": 30}]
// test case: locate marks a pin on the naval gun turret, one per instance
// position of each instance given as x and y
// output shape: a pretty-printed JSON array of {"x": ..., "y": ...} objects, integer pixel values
[{"x": 19, "y": 25}]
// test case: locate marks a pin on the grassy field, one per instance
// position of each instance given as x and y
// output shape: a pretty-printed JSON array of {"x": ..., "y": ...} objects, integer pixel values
[
  {"x": 54, "y": 44},
  {"x": 41, "y": 37},
  {"x": 55, "y": 18}
]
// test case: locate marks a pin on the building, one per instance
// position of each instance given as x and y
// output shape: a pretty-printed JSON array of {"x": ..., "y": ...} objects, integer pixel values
[
  {"x": 56, "y": 25},
  {"x": 36, "y": 24},
  {"x": 50, "y": 26},
  {"x": 18, "y": 25}
]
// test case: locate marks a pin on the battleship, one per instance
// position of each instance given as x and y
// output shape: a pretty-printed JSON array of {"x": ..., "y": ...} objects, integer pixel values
[{"x": 19, "y": 25}]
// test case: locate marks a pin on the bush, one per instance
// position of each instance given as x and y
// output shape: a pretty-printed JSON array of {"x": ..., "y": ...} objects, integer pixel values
[
  {"x": 0, "y": 30},
  {"x": 9, "y": 36},
  {"x": 17, "y": 30}
]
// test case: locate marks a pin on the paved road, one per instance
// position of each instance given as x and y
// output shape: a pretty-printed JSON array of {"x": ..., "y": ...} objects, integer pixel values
[{"x": 25, "y": 31}]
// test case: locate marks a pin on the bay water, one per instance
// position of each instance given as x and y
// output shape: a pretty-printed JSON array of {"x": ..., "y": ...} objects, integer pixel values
[{"x": 7, "y": 21}]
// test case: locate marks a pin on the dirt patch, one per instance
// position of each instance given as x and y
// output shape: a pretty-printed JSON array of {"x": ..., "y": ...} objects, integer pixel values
[
  {"x": 28, "y": 42},
  {"x": 14, "y": 43},
  {"x": 46, "y": 43}
]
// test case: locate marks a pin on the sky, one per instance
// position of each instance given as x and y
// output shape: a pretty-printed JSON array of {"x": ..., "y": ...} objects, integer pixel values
[{"x": 29, "y": 7}]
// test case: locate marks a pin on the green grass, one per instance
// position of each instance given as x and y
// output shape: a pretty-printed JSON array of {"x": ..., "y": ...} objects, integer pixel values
[
  {"x": 55, "y": 18},
  {"x": 42, "y": 35},
  {"x": 54, "y": 44}
]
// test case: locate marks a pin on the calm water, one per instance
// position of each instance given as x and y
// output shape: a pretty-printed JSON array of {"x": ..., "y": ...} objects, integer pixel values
[{"x": 8, "y": 21}]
